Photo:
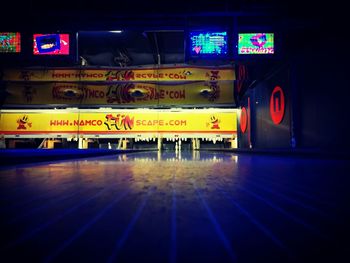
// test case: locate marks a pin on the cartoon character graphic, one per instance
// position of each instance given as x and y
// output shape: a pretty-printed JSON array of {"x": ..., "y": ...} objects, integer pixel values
[
  {"x": 186, "y": 73},
  {"x": 120, "y": 93},
  {"x": 23, "y": 122},
  {"x": 213, "y": 75},
  {"x": 258, "y": 40},
  {"x": 214, "y": 122},
  {"x": 120, "y": 75},
  {"x": 212, "y": 93}
]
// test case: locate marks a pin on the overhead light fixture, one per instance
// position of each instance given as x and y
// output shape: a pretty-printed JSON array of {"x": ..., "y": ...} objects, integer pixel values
[{"x": 116, "y": 31}]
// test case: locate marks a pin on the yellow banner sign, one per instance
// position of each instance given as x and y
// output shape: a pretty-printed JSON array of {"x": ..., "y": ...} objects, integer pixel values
[
  {"x": 131, "y": 93},
  {"x": 122, "y": 74},
  {"x": 116, "y": 122}
]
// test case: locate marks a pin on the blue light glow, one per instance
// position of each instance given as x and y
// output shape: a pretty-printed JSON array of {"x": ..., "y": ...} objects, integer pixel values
[{"x": 208, "y": 43}]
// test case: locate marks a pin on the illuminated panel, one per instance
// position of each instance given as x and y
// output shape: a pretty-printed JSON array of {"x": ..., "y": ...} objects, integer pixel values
[
  {"x": 170, "y": 74},
  {"x": 51, "y": 44},
  {"x": 255, "y": 43},
  {"x": 208, "y": 43},
  {"x": 134, "y": 94},
  {"x": 10, "y": 42},
  {"x": 118, "y": 122}
]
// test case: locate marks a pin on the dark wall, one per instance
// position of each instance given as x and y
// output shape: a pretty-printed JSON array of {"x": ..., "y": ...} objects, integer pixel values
[
  {"x": 317, "y": 89},
  {"x": 269, "y": 134},
  {"x": 323, "y": 93},
  {"x": 261, "y": 131}
]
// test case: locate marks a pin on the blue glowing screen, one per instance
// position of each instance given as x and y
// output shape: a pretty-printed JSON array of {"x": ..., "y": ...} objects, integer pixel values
[{"x": 208, "y": 43}]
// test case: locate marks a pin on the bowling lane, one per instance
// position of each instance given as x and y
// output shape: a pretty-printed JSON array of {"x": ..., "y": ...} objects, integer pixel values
[{"x": 176, "y": 207}]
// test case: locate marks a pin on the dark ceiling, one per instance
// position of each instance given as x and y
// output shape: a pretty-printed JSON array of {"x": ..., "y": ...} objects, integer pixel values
[
  {"x": 131, "y": 47},
  {"x": 154, "y": 32}
]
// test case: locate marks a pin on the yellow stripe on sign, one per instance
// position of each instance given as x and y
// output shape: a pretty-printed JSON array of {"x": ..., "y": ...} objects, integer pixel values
[
  {"x": 122, "y": 74},
  {"x": 130, "y": 93},
  {"x": 117, "y": 122}
]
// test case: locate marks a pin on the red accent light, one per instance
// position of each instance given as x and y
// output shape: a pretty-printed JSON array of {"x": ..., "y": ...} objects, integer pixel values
[
  {"x": 244, "y": 120},
  {"x": 277, "y": 105}
]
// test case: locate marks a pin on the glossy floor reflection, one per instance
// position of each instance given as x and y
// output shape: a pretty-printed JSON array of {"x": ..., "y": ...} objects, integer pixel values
[{"x": 176, "y": 207}]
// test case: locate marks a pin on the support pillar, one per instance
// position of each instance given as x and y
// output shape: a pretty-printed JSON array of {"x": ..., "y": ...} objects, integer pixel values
[
  {"x": 233, "y": 143},
  {"x": 85, "y": 143},
  {"x": 49, "y": 144},
  {"x": 195, "y": 144},
  {"x": 159, "y": 146},
  {"x": 80, "y": 143},
  {"x": 125, "y": 144}
]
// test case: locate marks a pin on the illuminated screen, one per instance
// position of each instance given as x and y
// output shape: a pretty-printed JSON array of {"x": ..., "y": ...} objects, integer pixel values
[
  {"x": 51, "y": 44},
  {"x": 10, "y": 42},
  {"x": 255, "y": 43},
  {"x": 208, "y": 43}
]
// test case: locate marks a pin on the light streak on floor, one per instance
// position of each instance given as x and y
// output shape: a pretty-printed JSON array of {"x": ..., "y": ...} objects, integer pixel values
[{"x": 176, "y": 207}]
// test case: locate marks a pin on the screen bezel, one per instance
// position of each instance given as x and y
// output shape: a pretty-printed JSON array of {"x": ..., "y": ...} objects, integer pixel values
[
  {"x": 255, "y": 33},
  {"x": 226, "y": 55},
  {"x": 51, "y": 54}
]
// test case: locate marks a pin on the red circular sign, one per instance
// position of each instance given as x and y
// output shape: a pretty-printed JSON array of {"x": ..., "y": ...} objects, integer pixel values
[
  {"x": 277, "y": 105},
  {"x": 244, "y": 119}
]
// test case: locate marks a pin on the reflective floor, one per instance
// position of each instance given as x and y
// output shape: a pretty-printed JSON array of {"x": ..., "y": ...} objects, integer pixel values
[{"x": 176, "y": 207}]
